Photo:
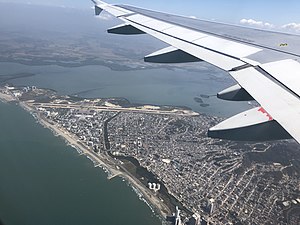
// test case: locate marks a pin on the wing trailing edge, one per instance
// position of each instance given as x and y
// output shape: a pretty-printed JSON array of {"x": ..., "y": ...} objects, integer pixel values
[
  {"x": 252, "y": 125},
  {"x": 264, "y": 72}
]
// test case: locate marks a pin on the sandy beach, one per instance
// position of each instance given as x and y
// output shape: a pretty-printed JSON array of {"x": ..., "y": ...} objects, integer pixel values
[{"x": 111, "y": 166}]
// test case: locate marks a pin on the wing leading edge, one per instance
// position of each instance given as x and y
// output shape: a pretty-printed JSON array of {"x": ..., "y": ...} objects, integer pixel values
[{"x": 266, "y": 71}]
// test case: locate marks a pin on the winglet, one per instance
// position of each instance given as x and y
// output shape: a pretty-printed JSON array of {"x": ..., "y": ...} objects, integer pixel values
[{"x": 98, "y": 8}]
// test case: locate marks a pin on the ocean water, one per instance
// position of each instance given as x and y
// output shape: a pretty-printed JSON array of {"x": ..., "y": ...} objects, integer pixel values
[{"x": 45, "y": 182}]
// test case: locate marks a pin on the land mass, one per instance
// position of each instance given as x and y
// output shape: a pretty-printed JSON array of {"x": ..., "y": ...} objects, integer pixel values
[
  {"x": 167, "y": 147},
  {"x": 163, "y": 151}
]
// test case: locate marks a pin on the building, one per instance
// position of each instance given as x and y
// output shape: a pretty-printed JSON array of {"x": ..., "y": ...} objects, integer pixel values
[
  {"x": 194, "y": 220},
  {"x": 177, "y": 217},
  {"x": 211, "y": 206}
]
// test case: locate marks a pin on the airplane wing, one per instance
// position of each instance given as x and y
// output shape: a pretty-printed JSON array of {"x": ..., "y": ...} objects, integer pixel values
[{"x": 265, "y": 65}]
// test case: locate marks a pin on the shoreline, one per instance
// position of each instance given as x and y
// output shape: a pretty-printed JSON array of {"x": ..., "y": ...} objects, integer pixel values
[
  {"x": 6, "y": 98},
  {"x": 106, "y": 163}
]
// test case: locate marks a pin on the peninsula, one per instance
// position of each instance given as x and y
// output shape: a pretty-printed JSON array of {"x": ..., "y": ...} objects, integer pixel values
[{"x": 163, "y": 152}]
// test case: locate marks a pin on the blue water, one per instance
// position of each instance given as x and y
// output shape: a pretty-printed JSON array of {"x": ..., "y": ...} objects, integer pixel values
[
  {"x": 153, "y": 86},
  {"x": 44, "y": 182}
]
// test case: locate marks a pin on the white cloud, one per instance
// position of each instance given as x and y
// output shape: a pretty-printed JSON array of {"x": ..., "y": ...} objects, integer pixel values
[
  {"x": 255, "y": 23},
  {"x": 290, "y": 27},
  {"x": 294, "y": 27}
]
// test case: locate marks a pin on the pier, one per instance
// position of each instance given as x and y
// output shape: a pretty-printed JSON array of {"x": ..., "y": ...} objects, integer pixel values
[{"x": 113, "y": 175}]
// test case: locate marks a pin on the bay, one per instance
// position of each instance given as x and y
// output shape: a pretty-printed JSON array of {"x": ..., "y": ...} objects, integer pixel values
[{"x": 160, "y": 86}]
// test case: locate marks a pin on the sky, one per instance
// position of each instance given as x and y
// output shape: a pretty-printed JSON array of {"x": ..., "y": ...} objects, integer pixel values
[{"x": 269, "y": 14}]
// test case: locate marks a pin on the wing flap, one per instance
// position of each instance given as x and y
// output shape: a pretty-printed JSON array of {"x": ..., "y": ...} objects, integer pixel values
[
  {"x": 286, "y": 45},
  {"x": 184, "y": 33},
  {"x": 287, "y": 72},
  {"x": 137, "y": 18},
  {"x": 183, "y": 38},
  {"x": 252, "y": 125},
  {"x": 222, "y": 61},
  {"x": 160, "y": 25},
  {"x": 227, "y": 47},
  {"x": 274, "y": 85},
  {"x": 281, "y": 104}
]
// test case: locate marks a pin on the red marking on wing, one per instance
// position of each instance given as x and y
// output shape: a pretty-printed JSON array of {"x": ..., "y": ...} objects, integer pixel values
[{"x": 262, "y": 110}]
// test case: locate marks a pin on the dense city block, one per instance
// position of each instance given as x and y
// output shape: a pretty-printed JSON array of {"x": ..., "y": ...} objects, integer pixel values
[{"x": 223, "y": 182}]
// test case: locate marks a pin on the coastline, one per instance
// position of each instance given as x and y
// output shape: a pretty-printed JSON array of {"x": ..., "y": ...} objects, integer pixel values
[
  {"x": 108, "y": 164},
  {"x": 6, "y": 97}
]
